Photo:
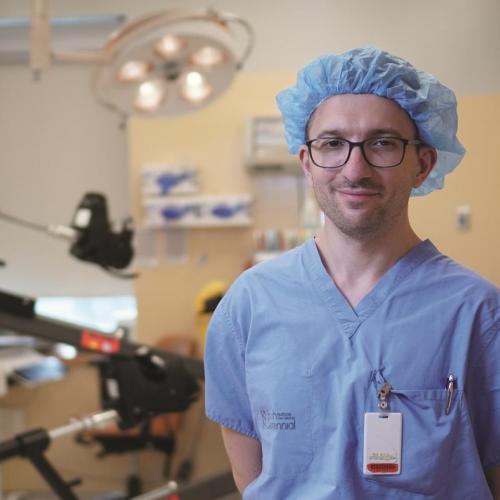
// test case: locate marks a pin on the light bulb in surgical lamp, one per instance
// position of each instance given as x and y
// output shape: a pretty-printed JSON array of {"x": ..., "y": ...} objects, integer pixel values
[
  {"x": 150, "y": 95},
  {"x": 134, "y": 71},
  {"x": 169, "y": 46},
  {"x": 194, "y": 87},
  {"x": 207, "y": 57}
]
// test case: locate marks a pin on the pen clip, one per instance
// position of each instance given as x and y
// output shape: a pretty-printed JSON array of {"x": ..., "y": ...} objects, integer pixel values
[{"x": 451, "y": 383}]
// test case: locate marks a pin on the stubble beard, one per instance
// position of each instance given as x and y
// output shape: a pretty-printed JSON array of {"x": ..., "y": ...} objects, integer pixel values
[{"x": 375, "y": 223}]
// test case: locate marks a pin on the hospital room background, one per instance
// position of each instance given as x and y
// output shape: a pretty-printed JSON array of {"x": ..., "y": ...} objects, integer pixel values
[{"x": 57, "y": 142}]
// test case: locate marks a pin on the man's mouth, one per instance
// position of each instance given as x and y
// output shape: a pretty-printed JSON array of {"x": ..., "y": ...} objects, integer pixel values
[{"x": 358, "y": 192}]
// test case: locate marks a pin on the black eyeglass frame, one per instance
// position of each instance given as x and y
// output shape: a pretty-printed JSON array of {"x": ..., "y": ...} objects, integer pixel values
[{"x": 361, "y": 145}]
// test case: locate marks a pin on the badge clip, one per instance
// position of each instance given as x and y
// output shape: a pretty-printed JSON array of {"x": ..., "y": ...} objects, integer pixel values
[{"x": 383, "y": 395}]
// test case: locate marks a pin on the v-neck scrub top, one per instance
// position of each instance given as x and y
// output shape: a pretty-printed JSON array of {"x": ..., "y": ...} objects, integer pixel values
[{"x": 290, "y": 363}]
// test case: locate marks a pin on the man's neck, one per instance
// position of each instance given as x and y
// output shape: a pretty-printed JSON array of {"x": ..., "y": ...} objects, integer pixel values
[{"x": 357, "y": 264}]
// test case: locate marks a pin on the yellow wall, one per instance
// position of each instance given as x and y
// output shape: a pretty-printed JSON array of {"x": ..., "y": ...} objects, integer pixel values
[
  {"x": 213, "y": 140},
  {"x": 475, "y": 182}
]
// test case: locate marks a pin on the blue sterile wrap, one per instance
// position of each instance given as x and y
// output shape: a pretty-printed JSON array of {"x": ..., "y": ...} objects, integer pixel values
[{"x": 430, "y": 104}]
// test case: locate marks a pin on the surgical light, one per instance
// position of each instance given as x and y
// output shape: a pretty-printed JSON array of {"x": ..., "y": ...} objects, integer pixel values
[{"x": 168, "y": 63}]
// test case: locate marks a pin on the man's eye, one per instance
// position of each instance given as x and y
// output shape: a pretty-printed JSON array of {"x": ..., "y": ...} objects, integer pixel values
[
  {"x": 383, "y": 143},
  {"x": 332, "y": 144}
]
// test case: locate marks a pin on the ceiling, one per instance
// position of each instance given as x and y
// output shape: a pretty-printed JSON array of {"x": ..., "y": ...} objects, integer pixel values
[{"x": 457, "y": 40}]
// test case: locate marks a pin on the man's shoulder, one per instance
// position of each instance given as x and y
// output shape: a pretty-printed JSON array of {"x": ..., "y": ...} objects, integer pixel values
[
  {"x": 258, "y": 289},
  {"x": 447, "y": 270},
  {"x": 274, "y": 276},
  {"x": 284, "y": 265}
]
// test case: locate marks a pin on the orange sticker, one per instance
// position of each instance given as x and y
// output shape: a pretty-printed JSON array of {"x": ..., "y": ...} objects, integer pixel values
[{"x": 99, "y": 342}]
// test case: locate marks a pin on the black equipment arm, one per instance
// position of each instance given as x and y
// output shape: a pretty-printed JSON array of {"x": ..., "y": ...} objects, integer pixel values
[
  {"x": 32, "y": 445},
  {"x": 17, "y": 314},
  {"x": 150, "y": 381}
]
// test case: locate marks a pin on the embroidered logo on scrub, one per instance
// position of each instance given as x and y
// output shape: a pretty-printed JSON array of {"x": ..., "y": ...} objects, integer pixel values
[{"x": 277, "y": 420}]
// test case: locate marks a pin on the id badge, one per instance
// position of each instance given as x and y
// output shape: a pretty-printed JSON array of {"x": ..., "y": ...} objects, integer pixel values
[{"x": 382, "y": 443}]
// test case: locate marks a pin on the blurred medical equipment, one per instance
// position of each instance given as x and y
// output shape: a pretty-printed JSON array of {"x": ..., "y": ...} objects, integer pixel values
[
  {"x": 33, "y": 444},
  {"x": 144, "y": 381},
  {"x": 91, "y": 235},
  {"x": 168, "y": 63},
  {"x": 156, "y": 433}
]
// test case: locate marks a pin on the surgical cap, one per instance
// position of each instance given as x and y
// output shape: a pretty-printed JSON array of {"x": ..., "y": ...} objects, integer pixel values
[{"x": 431, "y": 105}]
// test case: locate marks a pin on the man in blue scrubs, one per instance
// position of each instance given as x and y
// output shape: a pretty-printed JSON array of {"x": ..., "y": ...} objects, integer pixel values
[{"x": 364, "y": 363}]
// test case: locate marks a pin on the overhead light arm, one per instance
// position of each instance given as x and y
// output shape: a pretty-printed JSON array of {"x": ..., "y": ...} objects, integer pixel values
[
  {"x": 41, "y": 53},
  {"x": 40, "y": 37},
  {"x": 230, "y": 18}
]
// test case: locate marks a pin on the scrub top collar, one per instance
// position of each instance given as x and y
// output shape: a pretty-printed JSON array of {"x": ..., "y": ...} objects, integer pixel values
[{"x": 348, "y": 318}]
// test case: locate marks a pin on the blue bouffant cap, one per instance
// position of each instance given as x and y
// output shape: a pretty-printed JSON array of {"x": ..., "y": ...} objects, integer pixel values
[{"x": 431, "y": 105}]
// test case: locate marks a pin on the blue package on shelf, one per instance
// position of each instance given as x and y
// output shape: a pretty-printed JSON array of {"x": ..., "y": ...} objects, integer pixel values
[
  {"x": 167, "y": 182},
  {"x": 198, "y": 211},
  {"x": 175, "y": 212},
  {"x": 224, "y": 211},
  {"x": 160, "y": 179}
]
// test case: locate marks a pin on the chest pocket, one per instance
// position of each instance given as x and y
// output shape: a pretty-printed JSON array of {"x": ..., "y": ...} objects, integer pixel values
[
  {"x": 282, "y": 411},
  {"x": 438, "y": 450}
]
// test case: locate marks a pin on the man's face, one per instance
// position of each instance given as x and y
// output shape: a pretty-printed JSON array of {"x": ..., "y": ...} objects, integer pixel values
[{"x": 361, "y": 200}]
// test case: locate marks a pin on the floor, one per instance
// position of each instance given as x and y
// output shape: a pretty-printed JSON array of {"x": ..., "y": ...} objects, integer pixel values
[{"x": 108, "y": 496}]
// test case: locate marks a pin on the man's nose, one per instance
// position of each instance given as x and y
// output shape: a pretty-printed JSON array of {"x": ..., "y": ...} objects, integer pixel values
[{"x": 356, "y": 166}]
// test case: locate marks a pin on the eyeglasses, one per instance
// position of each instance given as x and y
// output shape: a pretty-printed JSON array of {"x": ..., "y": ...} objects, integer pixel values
[{"x": 381, "y": 152}]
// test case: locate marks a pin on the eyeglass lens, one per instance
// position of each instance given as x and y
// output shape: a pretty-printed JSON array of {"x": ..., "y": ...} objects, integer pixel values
[{"x": 378, "y": 152}]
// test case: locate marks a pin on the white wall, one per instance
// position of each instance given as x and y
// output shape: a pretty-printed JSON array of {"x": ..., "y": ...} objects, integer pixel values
[{"x": 56, "y": 142}]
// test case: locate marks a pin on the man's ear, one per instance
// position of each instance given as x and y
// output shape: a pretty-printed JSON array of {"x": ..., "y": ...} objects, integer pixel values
[
  {"x": 427, "y": 158},
  {"x": 305, "y": 162}
]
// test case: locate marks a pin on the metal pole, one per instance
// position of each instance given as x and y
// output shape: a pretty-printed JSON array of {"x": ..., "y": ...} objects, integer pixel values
[
  {"x": 40, "y": 37},
  {"x": 84, "y": 423}
]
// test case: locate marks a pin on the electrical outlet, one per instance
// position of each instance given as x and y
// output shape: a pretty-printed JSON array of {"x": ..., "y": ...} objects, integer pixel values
[{"x": 463, "y": 218}]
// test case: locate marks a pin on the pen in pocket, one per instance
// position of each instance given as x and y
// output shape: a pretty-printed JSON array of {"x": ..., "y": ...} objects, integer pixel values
[{"x": 451, "y": 382}]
